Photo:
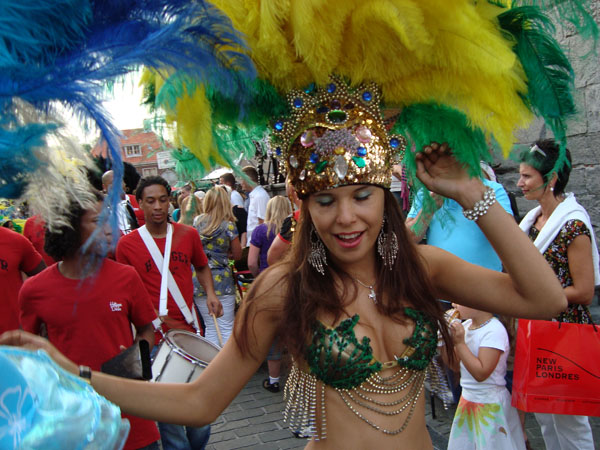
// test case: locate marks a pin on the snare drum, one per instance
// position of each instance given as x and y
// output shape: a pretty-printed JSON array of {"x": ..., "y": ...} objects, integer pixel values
[{"x": 181, "y": 357}]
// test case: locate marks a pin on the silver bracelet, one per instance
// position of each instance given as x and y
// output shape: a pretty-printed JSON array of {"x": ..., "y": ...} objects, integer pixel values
[{"x": 481, "y": 207}]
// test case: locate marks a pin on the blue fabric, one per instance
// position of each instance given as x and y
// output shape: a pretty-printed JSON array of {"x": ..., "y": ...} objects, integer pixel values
[
  {"x": 177, "y": 437},
  {"x": 43, "y": 406},
  {"x": 451, "y": 231}
]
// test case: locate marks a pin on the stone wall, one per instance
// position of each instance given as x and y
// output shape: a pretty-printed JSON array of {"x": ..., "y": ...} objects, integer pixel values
[{"x": 583, "y": 131}]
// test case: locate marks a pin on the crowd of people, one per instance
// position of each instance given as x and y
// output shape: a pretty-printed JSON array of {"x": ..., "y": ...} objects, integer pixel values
[
  {"x": 78, "y": 303},
  {"x": 396, "y": 263}
]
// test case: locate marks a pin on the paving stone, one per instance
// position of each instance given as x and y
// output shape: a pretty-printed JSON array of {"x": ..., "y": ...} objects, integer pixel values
[
  {"x": 256, "y": 429},
  {"x": 262, "y": 402},
  {"x": 267, "y": 446},
  {"x": 270, "y": 417},
  {"x": 271, "y": 436},
  {"x": 220, "y": 437},
  {"x": 245, "y": 442},
  {"x": 275, "y": 407},
  {"x": 293, "y": 443},
  {"x": 245, "y": 414},
  {"x": 231, "y": 425},
  {"x": 243, "y": 398}
]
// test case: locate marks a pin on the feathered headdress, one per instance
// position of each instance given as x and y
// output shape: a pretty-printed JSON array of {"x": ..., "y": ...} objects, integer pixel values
[
  {"x": 65, "y": 51},
  {"x": 470, "y": 73}
]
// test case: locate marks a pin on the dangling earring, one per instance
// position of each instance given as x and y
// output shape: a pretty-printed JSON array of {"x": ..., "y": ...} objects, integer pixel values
[
  {"x": 317, "y": 256},
  {"x": 387, "y": 245}
]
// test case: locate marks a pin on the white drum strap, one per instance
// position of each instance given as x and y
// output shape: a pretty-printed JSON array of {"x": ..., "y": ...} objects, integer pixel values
[{"x": 167, "y": 280}]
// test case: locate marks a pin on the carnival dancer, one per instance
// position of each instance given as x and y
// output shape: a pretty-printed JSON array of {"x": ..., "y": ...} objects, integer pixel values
[
  {"x": 340, "y": 303},
  {"x": 355, "y": 301}
]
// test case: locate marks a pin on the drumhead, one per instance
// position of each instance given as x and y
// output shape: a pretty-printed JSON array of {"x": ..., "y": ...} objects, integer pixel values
[{"x": 194, "y": 346}]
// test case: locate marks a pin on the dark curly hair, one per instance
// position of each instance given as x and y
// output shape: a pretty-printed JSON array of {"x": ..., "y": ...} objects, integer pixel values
[
  {"x": 66, "y": 240},
  {"x": 151, "y": 181}
]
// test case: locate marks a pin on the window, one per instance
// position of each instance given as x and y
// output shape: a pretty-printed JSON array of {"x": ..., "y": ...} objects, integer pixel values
[
  {"x": 132, "y": 150},
  {"x": 149, "y": 172}
]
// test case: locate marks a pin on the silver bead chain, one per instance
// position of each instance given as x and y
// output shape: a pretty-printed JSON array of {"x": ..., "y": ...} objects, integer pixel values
[{"x": 481, "y": 208}]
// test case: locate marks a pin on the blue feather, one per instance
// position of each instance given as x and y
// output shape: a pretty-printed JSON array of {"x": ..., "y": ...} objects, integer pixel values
[
  {"x": 67, "y": 50},
  {"x": 22, "y": 142},
  {"x": 34, "y": 32}
]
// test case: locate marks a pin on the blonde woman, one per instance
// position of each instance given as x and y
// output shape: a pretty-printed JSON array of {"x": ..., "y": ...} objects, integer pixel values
[
  {"x": 191, "y": 207},
  {"x": 278, "y": 208},
  {"x": 219, "y": 237}
]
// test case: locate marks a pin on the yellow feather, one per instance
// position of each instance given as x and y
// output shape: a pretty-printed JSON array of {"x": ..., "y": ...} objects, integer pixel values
[
  {"x": 192, "y": 115},
  {"x": 451, "y": 52}
]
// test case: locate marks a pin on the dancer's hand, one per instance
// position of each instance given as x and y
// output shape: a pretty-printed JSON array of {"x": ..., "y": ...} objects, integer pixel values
[
  {"x": 20, "y": 338},
  {"x": 441, "y": 173}
]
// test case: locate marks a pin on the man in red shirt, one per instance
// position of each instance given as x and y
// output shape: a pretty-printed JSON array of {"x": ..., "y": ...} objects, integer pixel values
[
  {"x": 17, "y": 255},
  {"x": 186, "y": 251},
  {"x": 88, "y": 305},
  {"x": 35, "y": 230},
  {"x": 153, "y": 194}
]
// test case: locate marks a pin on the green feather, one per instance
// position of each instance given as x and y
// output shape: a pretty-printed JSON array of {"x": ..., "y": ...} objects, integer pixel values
[
  {"x": 550, "y": 77},
  {"x": 423, "y": 124},
  {"x": 576, "y": 12},
  {"x": 187, "y": 166},
  {"x": 262, "y": 103}
]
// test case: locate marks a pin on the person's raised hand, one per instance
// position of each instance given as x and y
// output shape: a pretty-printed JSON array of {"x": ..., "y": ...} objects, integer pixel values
[{"x": 439, "y": 170}]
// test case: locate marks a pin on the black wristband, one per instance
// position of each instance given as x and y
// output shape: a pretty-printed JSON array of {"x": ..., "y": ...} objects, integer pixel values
[{"x": 86, "y": 373}]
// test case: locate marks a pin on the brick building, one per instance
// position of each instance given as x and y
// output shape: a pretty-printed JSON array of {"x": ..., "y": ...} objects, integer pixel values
[{"x": 145, "y": 151}]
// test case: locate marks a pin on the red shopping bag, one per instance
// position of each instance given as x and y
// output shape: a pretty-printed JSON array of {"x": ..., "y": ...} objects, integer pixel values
[{"x": 557, "y": 368}]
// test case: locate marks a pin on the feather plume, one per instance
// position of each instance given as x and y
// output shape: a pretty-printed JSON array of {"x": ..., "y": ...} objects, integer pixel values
[
  {"x": 456, "y": 54},
  {"x": 67, "y": 50},
  {"x": 550, "y": 77},
  {"x": 417, "y": 51},
  {"x": 576, "y": 12},
  {"x": 426, "y": 123}
]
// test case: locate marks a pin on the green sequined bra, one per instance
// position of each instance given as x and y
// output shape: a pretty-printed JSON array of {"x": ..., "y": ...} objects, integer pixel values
[{"x": 336, "y": 358}]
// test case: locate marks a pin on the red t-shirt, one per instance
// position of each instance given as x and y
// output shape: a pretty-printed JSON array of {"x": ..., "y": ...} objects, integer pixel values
[
  {"x": 90, "y": 320},
  {"x": 139, "y": 214},
  {"x": 186, "y": 251},
  {"x": 36, "y": 233},
  {"x": 16, "y": 255}
]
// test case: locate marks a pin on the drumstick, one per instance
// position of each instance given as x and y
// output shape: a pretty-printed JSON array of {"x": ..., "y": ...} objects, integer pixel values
[{"x": 218, "y": 330}]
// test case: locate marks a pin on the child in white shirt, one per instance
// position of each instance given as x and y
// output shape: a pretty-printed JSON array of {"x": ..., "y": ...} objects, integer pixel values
[{"x": 484, "y": 417}]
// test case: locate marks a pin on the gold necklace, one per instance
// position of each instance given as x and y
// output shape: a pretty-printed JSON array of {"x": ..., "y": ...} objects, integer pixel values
[{"x": 371, "y": 289}]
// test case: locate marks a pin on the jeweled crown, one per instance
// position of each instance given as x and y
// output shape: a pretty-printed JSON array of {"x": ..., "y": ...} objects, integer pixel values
[{"x": 336, "y": 136}]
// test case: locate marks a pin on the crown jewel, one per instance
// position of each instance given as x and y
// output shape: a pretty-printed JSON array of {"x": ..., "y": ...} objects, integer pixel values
[{"x": 336, "y": 136}]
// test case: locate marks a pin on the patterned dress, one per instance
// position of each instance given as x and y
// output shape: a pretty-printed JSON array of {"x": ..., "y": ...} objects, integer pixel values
[
  {"x": 216, "y": 246},
  {"x": 556, "y": 255}
]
